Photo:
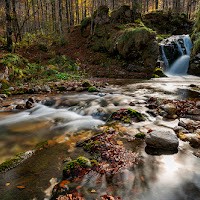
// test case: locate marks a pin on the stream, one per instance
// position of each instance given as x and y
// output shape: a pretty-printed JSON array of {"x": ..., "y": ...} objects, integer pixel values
[{"x": 67, "y": 119}]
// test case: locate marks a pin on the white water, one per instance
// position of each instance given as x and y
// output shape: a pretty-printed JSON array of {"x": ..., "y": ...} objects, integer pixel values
[{"x": 180, "y": 66}]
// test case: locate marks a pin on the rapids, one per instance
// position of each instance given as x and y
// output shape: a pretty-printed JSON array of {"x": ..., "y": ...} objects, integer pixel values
[{"x": 166, "y": 177}]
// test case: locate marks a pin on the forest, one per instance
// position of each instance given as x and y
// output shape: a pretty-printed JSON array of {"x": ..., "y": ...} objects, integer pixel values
[{"x": 99, "y": 99}]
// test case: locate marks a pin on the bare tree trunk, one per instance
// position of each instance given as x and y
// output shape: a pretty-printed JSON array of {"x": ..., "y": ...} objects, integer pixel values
[
  {"x": 156, "y": 4},
  {"x": 34, "y": 22},
  {"x": 60, "y": 16},
  {"x": 53, "y": 7},
  {"x": 16, "y": 28},
  {"x": 77, "y": 12},
  {"x": 8, "y": 26}
]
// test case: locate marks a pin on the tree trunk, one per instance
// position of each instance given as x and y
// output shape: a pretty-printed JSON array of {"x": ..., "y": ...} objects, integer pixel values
[
  {"x": 60, "y": 16},
  {"x": 156, "y": 5},
  {"x": 34, "y": 22},
  {"x": 16, "y": 28},
  {"x": 8, "y": 26}
]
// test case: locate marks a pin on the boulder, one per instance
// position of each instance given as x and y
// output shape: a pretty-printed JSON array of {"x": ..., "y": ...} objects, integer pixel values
[
  {"x": 194, "y": 112},
  {"x": 3, "y": 96},
  {"x": 162, "y": 140},
  {"x": 46, "y": 88},
  {"x": 122, "y": 15},
  {"x": 170, "y": 109},
  {"x": 37, "y": 88}
]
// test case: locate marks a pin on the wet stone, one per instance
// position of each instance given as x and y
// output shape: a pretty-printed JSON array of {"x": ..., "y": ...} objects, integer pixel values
[
  {"x": 162, "y": 140},
  {"x": 46, "y": 88},
  {"x": 20, "y": 106},
  {"x": 3, "y": 96},
  {"x": 194, "y": 112}
]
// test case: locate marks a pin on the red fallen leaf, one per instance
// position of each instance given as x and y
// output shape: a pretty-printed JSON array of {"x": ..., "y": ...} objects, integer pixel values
[
  {"x": 37, "y": 173},
  {"x": 142, "y": 178},
  {"x": 149, "y": 131},
  {"x": 21, "y": 186}
]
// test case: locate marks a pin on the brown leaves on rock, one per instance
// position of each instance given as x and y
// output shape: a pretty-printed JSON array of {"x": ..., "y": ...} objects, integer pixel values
[{"x": 182, "y": 106}]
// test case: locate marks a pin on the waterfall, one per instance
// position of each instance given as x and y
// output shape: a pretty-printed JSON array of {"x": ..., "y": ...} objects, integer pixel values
[
  {"x": 164, "y": 57},
  {"x": 181, "y": 64}
]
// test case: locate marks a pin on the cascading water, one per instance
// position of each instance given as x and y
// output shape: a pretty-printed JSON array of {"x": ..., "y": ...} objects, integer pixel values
[{"x": 180, "y": 47}]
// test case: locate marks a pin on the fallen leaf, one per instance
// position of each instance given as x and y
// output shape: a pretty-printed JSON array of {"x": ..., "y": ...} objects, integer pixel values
[
  {"x": 63, "y": 183},
  {"x": 119, "y": 142},
  {"x": 142, "y": 178},
  {"x": 93, "y": 191},
  {"x": 79, "y": 187},
  {"x": 21, "y": 186},
  {"x": 7, "y": 184}
]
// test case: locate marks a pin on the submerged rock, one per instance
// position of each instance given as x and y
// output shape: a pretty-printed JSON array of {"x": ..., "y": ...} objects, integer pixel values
[{"x": 162, "y": 140}]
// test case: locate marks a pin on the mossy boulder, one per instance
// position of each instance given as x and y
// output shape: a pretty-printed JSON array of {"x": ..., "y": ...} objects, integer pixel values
[
  {"x": 138, "y": 45},
  {"x": 157, "y": 73},
  {"x": 167, "y": 22},
  {"x": 86, "y": 84},
  {"x": 122, "y": 15},
  {"x": 134, "y": 40},
  {"x": 85, "y": 23},
  {"x": 92, "y": 89}
]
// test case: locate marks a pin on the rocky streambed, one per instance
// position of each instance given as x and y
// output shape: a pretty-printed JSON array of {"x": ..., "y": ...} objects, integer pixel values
[{"x": 130, "y": 140}]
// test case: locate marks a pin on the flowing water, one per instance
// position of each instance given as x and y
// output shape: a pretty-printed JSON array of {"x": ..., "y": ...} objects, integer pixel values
[
  {"x": 68, "y": 119},
  {"x": 180, "y": 65}
]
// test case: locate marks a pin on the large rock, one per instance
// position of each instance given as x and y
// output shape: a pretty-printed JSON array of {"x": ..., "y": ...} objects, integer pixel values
[
  {"x": 162, "y": 140},
  {"x": 170, "y": 108},
  {"x": 122, "y": 15},
  {"x": 138, "y": 46}
]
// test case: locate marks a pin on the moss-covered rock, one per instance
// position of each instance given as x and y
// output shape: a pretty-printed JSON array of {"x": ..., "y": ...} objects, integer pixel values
[
  {"x": 122, "y": 15},
  {"x": 85, "y": 23},
  {"x": 86, "y": 84},
  {"x": 168, "y": 23},
  {"x": 140, "y": 135},
  {"x": 194, "y": 67},
  {"x": 13, "y": 162},
  {"x": 157, "y": 73},
  {"x": 92, "y": 89}
]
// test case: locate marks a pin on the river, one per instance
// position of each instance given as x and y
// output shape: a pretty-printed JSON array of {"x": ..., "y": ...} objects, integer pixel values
[{"x": 67, "y": 119}]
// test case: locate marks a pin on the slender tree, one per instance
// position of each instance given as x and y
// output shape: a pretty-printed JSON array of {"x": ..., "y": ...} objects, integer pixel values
[{"x": 8, "y": 25}]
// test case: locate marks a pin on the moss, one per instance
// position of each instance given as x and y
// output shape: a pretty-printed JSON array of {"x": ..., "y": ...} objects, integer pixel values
[
  {"x": 196, "y": 47},
  {"x": 81, "y": 161},
  {"x": 61, "y": 88},
  {"x": 158, "y": 72},
  {"x": 127, "y": 120},
  {"x": 86, "y": 84},
  {"x": 70, "y": 165},
  {"x": 89, "y": 145},
  {"x": 11, "y": 162},
  {"x": 155, "y": 76},
  {"x": 140, "y": 135},
  {"x": 84, "y": 162},
  {"x": 136, "y": 114},
  {"x": 94, "y": 162},
  {"x": 85, "y": 23},
  {"x": 134, "y": 38},
  {"x": 92, "y": 89},
  {"x": 41, "y": 145}
]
